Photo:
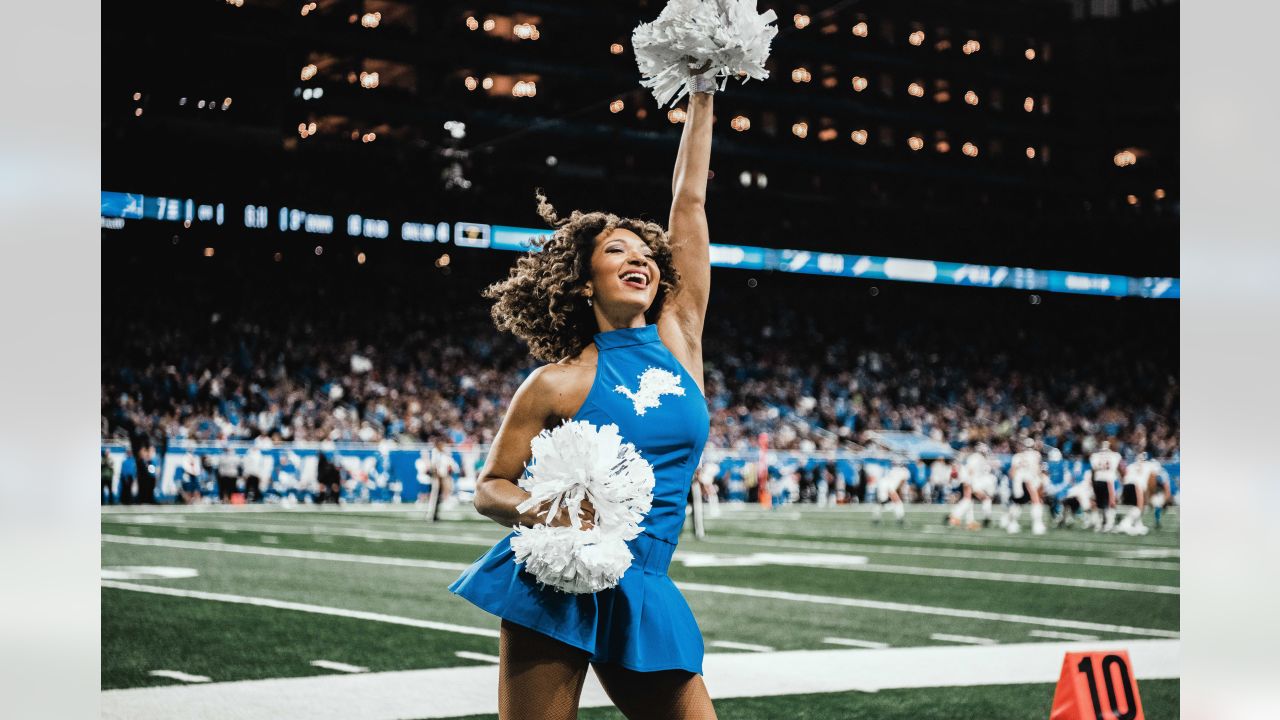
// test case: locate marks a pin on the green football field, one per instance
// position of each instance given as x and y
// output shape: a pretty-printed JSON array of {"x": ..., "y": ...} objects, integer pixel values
[{"x": 304, "y": 603}]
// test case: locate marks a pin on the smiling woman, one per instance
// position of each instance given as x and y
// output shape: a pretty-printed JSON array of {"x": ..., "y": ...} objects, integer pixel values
[
  {"x": 547, "y": 301},
  {"x": 616, "y": 306}
]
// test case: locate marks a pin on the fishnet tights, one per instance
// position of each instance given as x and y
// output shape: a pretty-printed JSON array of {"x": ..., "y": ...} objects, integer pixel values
[{"x": 540, "y": 678}]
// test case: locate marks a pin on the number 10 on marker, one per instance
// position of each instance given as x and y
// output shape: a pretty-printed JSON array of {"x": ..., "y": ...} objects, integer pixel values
[{"x": 1097, "y": 686}]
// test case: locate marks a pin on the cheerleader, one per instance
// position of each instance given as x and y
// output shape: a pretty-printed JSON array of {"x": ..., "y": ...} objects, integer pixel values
[{"x": 616, "y": 308}]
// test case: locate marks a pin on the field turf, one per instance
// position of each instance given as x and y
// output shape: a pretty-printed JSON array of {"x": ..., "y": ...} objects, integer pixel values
[{"x": 275, "y": 590}]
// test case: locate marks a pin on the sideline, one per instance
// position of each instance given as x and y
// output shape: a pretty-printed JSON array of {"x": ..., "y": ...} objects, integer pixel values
[{"x": 451, "y": 692}]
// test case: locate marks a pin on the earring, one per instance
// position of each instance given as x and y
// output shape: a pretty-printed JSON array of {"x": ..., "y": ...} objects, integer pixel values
[{"x": 588, "y": 301}]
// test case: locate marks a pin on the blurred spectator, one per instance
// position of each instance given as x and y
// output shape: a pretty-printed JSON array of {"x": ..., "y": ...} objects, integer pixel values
[
  {"x": 146, "y": 476},
  {"x": 330, "y": 479},
  {"x": 228, "y": 475},
  {"x": 128, "y": 478},
  {"x": 108, "y": 478}
]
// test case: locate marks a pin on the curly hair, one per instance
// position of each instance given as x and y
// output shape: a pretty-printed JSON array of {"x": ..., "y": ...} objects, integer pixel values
[{"x": 542, "y": 301}]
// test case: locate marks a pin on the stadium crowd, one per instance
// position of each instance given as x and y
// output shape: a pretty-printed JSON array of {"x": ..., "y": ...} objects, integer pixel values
[{"x": 300, "y": 360}]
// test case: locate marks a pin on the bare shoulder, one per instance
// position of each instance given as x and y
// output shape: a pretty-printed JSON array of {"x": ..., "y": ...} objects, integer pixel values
[{"x": 562, "y": 387}]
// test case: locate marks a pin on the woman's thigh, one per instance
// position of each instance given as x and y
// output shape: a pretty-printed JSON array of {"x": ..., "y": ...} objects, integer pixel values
[
  {"x": 539, "y": 678},
  {"x": 661, "y": 695}
]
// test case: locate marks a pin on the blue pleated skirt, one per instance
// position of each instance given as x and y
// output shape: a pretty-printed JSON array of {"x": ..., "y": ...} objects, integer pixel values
[{"x": 642, "y": 624}]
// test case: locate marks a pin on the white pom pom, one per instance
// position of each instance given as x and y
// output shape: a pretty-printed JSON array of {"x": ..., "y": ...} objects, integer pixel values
[
  {"x": 729, "y": 35},
  {"x": 571, "y": 463},
  {"x": 575, "y": 561}
]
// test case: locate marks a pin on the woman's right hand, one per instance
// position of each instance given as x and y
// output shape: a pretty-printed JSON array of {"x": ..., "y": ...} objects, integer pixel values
[{"x": 588, "y": 515}]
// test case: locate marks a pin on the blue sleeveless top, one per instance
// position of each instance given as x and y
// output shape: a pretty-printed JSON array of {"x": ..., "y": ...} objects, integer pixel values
[{"x": 644, "y": 623}]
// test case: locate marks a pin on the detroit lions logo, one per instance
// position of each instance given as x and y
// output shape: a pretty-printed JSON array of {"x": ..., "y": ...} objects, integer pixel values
[{"x": 654, "y": 383}]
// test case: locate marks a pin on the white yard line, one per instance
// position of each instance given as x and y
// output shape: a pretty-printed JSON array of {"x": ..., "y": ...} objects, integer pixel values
[
  {"x": 468, "y": 655},
  {"x": 991, "y": 555},
  {"x": 963, "y": 639},
  {"x": 943, "y": 535},
  {"x": 302, "y": 607},
  {"x": 179, "y": 675},
  {"x": 1059, "y": 635},
  {"x": 687, "y": 586},
  {"x": 288, "y": 553},
  {"x": 329, "y": 531},
  {"x": 339, "y": 666},
  {"x": 730, "y": 645},
  {"x": 850, "y": 642},
  {"x": 1114, "y": 585},
  {"x": 1109, "y": 585},
  {"x": 924, "y": 609},
  {"x": 270, "y": 540},
  {"x": 451, "y": 692}
]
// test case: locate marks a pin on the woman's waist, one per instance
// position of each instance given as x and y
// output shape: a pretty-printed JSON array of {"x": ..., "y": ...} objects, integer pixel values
[{"x": 651, "y": 553}]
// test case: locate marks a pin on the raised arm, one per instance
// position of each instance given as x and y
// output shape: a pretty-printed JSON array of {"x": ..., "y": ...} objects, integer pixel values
[{"x": 685, "y": 312}]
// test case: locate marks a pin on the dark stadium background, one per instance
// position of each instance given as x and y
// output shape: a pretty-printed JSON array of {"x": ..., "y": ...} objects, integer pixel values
[{"x": 1102, "y": 84}]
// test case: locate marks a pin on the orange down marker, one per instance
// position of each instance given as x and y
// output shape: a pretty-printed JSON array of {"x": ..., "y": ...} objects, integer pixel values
[{"x": 1097, "y": 686}]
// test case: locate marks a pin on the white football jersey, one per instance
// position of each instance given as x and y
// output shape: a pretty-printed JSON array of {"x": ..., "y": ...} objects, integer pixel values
[
  {"x": 1025, "y": 466},
  {"x": 1137, "y": 474},
  {"x": 1105, "y": 465},
  {"x": 975, "y": 466}
]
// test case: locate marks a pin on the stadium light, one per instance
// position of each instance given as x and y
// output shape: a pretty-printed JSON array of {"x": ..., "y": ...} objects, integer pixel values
[
  {"x": 969, "y": 149},
  {"x": 859, "y": 137},
  {"x": 615, "y": 49},
  {"x": 1031, "y": 153},
  {"x": 744, "y": 178},
  {"x": 915, "y": 142},
  {"x": 741, "y": 123},
  {"x": 489, "y": 25},
  {"x": 1030, "y": 54},
  {"x": 137, "y": 112},
  {"x": 916, "y": 38},
  {"x": 676, "y": 115},
  {"x": 800, "y": 130},
  {"x": 859, "y": 83},
  {"x": 762, "y": 180},
  {"x": 470, "y": 83},
  {"x": 1029, "y": 104},
  {"x": 1125, "y": 158},
  {"x": 942, "y": 146},
  {"x": 472, "y": 23},
  {"x": 616, "y": 106},
  {"x": 801, "y": 74},
  {"x": 971, "y": 97},
  {"x": 308, "y": 71},
  {"x": 368, "y": 80},
  {"x": 915, "y": 89},
  {"x": 971, "y": 47},
  {"x": 1131, "y": 199},
  {"x": 1159, "y": 194},
  {"x": 860, "y": 30},
  {"x": 827, "y": 134},
  {"x": 801, "y": 20},
  {"x": 371, "y": 20}
]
